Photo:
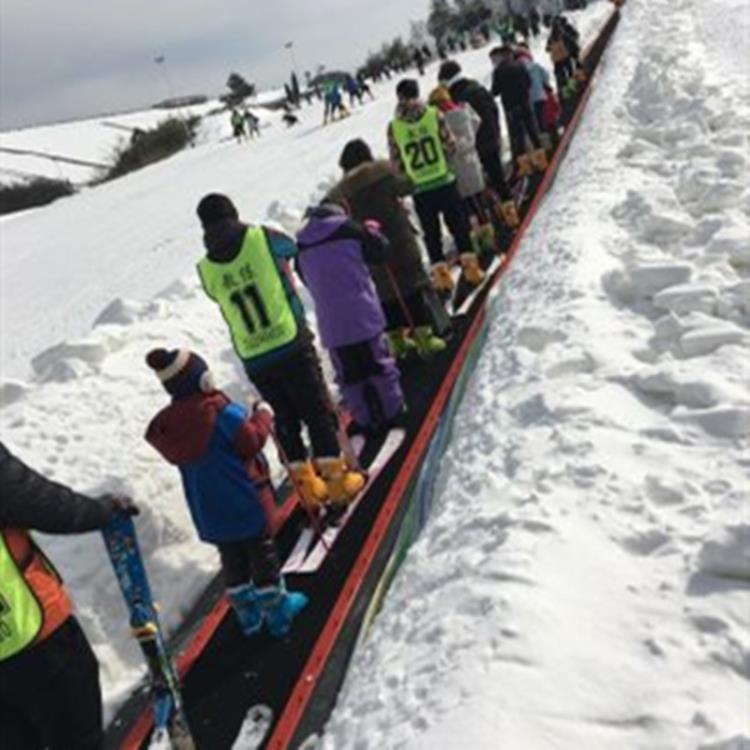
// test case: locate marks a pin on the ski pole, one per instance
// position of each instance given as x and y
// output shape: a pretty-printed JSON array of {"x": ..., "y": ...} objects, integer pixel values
[{"x": 400, "y": 299}]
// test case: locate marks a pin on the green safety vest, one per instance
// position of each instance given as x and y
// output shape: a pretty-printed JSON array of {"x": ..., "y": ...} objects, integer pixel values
[
  {"x": 21, "y": 616},
  {"x": 422, "y": 152},
  {"x": 251, "y": 296}
]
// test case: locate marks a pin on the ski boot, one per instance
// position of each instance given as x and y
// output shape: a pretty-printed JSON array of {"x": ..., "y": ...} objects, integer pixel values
[
  {"x": 442, "y": 280},
  {"x": 524, "y": 165},
  {"x": 400, "y": 343},
  {"x": 280, "y": 607},
  {"x": 311, "y": 488},
  {"x": 342, "y": 483},
  {"x": 484, "y": 236},
  {"x": 244, "y": 601},
  {"x": 427, "y": 342},
  {"x": 507, "y": 212},
  {"x": 580, "y": 75},
  {"x": 472, "y": 271},
  {"x": 539, "y": 160}
]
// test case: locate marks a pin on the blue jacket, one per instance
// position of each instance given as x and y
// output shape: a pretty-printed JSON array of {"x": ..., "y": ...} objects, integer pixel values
[{"x": 213, "y": 441}]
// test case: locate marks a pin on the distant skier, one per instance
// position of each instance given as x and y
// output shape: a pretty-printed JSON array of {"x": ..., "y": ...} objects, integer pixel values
[
  {"x": 238, "y": 125},
  {"x": 217, "y": 446},
  {"x": 419, "y": 59},
  {"x": 364, "y": 87},
  {"x": 49, "y": 677},
  {"x": 511, "y": 82},
  {"x": 246, "y": 273},
  {"x": 353, "y": 89},
  {"x": 564, "y": 50},
  {"x": 334, "y": 253},
  {"x": 419, "y": 144},
  {"x": 488, "y": 140},
  {"x": 334, "y": 103},
  {"x": 534, "y": 22},
  {"x": 252, "y": 124}
]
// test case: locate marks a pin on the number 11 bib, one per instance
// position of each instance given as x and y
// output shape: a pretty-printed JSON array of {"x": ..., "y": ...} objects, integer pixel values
[{"x": 251, "y": 296}]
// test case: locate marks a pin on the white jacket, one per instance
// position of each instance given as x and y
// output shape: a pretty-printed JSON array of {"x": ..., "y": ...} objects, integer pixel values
[{"x": 463, "y": 123}]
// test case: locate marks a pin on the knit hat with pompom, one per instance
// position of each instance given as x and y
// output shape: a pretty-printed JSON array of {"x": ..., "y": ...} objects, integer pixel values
[{"x": 182, "y": 373}]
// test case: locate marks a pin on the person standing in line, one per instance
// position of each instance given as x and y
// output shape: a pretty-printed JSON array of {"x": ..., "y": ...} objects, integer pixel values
[
  {"x": 245, "y": 272},
  {"x": 511, "y": 82},
  {"x": 50, "y": 695},
  {"x": 488, "y": 141},
  {"x": 419, "y": 144}
]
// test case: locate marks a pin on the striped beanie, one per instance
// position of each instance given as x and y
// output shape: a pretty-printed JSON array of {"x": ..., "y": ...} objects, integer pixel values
[{"x": 181, "y": 372}]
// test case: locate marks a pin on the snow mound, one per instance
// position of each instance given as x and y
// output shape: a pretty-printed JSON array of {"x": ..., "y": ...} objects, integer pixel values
[
  {"x": 120, "y": 312},
  {"x": 726, "y": 554}
]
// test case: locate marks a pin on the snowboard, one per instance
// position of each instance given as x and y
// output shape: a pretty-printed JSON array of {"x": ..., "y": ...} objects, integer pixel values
[
  {"x": 314, "y": 544},
  {"x": 170, "y": 725}
]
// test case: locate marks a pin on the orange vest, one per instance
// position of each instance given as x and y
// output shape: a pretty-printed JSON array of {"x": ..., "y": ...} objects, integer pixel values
[{"x": 41, "y": 578}]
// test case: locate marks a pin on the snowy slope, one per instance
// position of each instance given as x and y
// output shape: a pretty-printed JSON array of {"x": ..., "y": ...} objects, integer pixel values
[{"x": 584, "y": 581}]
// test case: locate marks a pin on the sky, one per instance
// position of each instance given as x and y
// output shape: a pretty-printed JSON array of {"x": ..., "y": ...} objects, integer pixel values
[{"x": 73, "y": 59}]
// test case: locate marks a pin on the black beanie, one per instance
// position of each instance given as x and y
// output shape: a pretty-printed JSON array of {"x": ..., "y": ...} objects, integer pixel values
[
  {"x": 181, "y": 372},
  {"x": 215, "y": 207},
  {"x": 355, "y": 152},
  {"x": 448, "y": 70}
]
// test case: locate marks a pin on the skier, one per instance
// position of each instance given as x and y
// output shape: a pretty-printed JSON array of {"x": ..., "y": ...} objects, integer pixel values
[
  {"x": 352, "y": 88},
  {"x": 252, "y": 123},
  {"x": 217, "y": 446},
  {"x": 418, "y": 58},
  {"x": 534, "y": 21},
  {"x": 511, "y": 82},
  {"x": 364, "y": 87},
  {"x": 464, "y": 123},
  {"x": 334, "y": 252},
  {"x": 488, "y": 143},
  {"x": 540, "y": 89},
  {"x": 419, "y": 144},
  {"x": 245, "y": 271},
  {"x": 49, "y": 677},
  {"x": 373, "y": 190},
  {"x": 238, "y": 125},
  {"x": 564, "y": 50}
]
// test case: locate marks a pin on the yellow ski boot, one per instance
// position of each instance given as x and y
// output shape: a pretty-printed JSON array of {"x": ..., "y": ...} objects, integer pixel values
[
  {"x": 442, "y": 281},
  {"x": 508, "y": 212},
  {"x": 312, "y": 490},
  {"x": 539, "y": 160},
  {"x": 524, "y": 165},
  {"x": 471, "y": 268},
  {"x": 343, "y": 484}
]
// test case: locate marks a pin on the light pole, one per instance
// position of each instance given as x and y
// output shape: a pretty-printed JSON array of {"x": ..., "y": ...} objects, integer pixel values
[
  {"x": 290, "y": 47},
  {"x": 161, "y": 61}
]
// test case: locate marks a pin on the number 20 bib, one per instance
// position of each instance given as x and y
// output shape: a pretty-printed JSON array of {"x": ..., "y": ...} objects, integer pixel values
[
  {"x": 421, "y": 150},
  {"x": 251, "y": 296}
]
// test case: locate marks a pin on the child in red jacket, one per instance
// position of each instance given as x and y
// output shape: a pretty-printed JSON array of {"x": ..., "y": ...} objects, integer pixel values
[{"x": 216, "y": 444}]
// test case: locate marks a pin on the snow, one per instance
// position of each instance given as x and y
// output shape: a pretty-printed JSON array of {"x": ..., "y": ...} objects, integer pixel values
[{"x": 583, "y": 580}]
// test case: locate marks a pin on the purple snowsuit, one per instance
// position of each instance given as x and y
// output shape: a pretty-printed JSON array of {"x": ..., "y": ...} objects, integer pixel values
[{"x": 333, "y": 255}]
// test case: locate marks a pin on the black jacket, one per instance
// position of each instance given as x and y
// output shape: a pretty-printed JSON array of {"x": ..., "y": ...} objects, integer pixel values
[
  {"x": 482, "y": 102},
  {"x": 30, "y": 501},
  {"x": 511, "y": 83}
]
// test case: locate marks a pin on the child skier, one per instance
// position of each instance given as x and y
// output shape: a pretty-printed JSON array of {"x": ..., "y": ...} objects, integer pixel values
[
  {"x": 374, "y": 190},
  {"x": 333, "y": 255},
  {"x": 464, "y": 123},
  {"x": 420, "y": 144},
  {"x": 216, "y": 444},
  {"x": 245, "y": 272}
]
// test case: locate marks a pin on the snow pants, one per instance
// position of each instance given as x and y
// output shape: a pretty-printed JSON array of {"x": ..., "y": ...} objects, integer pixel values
[
  {"x": 250, "y": 560},
  {"x": 447, "y": 202},
  {"x": 521, "y": 123},
  {"x": 50, "y": 695},
  {"x": 298, "y": 394},
  {"x": 369, "y": 381},
  {"x": 493, "y": 167}
]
